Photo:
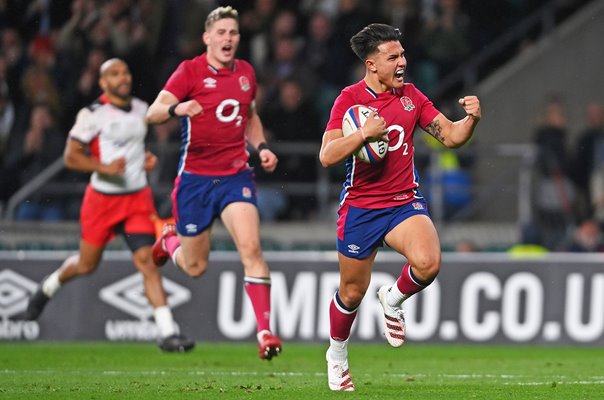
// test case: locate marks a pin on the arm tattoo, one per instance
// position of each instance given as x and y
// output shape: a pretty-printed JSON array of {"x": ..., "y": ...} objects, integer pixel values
[{"x": 435, "y": 129}]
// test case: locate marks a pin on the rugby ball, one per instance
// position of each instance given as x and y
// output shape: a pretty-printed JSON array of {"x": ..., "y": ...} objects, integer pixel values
[{"x": 372, "y": 151}]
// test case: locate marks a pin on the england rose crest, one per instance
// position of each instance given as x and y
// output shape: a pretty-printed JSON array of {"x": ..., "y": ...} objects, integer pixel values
[{"x": 407, "y": 103}]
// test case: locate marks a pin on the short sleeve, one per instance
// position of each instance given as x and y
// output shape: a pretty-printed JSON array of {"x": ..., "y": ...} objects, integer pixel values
[
  {"x": 427, "y": 110},
  {"x": 85, "y": 128},
  {"x": 178, "y": 83},
  {"x": 342, "y": 103}
]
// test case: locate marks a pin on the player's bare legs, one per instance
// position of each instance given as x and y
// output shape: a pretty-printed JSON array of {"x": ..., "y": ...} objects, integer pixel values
[
  {"x": 83, "y": 263},
  {"x": 355, "y": 276},
  {"x": 243, "y": 223},
  {"x": 417, "y": 240},
  {"x": 154, "y": 290},
  {"x": 170, "y": 338},
  {"x": 192, "y": 258}
]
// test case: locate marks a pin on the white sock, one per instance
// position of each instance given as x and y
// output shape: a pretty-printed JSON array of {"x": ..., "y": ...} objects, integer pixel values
[
  {"x": 174, "y": 256},
  {"x": 394, "y": 297},
  {"x": 338, "y": 349},
  {"x": 164, "y": 321},
  {"x": 51, "y": 285},
  {"x": 263, "y": 332}
]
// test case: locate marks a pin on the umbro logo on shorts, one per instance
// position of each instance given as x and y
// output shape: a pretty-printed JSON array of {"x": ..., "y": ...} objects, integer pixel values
[{"x": 353, "y": 248}]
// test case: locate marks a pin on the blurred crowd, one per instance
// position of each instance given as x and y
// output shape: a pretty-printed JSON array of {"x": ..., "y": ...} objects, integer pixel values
[
  {"x": 51, "y": 50},
  {"x": 569, "y": 180}
]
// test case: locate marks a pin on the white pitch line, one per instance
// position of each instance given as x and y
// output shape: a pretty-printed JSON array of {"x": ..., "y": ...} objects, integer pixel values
[{"x": 549, "y": 380}]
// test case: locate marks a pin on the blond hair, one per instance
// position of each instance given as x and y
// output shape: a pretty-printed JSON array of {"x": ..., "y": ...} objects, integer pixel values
[{"x": 221, "y": 13}]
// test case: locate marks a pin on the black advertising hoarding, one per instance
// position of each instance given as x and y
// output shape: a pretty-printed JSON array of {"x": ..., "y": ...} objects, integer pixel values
[{"x": 478, "y": 298}]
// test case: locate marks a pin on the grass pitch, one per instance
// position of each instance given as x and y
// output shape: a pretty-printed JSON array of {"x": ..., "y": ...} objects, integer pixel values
[{"x": 84, "y": 370}]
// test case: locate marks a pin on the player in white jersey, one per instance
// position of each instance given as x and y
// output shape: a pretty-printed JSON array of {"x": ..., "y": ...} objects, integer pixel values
[{"x": 108, "y": 140}]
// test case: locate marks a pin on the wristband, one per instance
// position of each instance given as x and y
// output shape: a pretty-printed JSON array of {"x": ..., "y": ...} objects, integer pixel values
[
  {"x": 262, "y": 146},
  {"x": 172, "y": 110}
]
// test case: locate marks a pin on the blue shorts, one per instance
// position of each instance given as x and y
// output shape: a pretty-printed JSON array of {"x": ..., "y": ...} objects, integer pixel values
[
  {"x": 362, "y": 230},
  {"x": 198, "y": 199}
]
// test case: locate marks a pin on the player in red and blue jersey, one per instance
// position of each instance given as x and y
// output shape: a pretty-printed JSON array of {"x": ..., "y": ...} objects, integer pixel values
[
  {"x": 213, "y": 95},
  {"x": 381, "y": 202}
]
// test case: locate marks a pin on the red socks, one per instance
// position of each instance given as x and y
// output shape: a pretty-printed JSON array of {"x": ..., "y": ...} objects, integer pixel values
[
  {"x": 259, "y": 292},
  {"x": 341, "y": 318}
]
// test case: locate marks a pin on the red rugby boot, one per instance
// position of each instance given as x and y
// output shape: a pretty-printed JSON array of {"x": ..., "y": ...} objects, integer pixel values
[{"x": 159, "y": 253}]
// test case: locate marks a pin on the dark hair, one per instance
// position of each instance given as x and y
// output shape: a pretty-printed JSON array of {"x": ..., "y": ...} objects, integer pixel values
[{"x": 370, "y": 37}]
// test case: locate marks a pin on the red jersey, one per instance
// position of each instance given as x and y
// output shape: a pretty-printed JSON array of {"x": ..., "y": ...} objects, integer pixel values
[
  {"x": 213, "y": 142},
  {"x": 394, "y": 180}
]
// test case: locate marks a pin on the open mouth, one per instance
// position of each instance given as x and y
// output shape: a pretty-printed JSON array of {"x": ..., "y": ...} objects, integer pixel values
[{"x": 399, "y": 74}]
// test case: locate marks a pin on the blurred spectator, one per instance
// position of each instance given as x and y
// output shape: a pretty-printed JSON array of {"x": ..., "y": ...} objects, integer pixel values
[
  {"x": 404, "y": 15},
  {"x": 186, "y": 19},
  {"x": 286, "y": 64},
  {"x": 588, "y": 165},
  {"x": 587, "y": 237},
  {"x": 28, "y": 155},
  {"x": 466, "y": 246},
  {"x": 531, "y": 243},
  {"x": 16, "y": 60},
  {"x": 38, "y": 86},
  {"x": 445, "y": 44},
  {"x": 293, "y": 119},
  {"x": 7, "y": 118},
  {"x": 351, "y": 18},
  {"x": 554, "y": 196},
  {"x": 84, "y": 86},
  {"x": 318, "y": 46},
  {"x": 40, "y": 17},
  {"x": 255, "y": 32}
]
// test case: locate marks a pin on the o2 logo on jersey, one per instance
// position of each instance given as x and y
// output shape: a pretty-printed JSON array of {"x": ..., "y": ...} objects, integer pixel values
[
  {"x": 231, "y": 108},
  {"x": 400, "y": 142}
]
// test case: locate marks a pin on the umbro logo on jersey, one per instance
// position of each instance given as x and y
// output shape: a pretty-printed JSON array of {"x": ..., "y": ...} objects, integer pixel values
[
  {"x": 353, "y": 248},
  {"x": 191, "y": 228},
  {"x": 407, "y": 103},
  {"x": 209, "y": 83}
]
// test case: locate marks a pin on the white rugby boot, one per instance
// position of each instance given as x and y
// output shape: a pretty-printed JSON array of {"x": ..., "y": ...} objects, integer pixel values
[
  {"x": 338, "y": 375},
  {"x": 394, "y": 319}
]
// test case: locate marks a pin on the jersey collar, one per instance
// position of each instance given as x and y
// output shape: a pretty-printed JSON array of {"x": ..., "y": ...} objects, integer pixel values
[
  {"x": 103, "y": 99},
  {"x": 215, "y": 70}
]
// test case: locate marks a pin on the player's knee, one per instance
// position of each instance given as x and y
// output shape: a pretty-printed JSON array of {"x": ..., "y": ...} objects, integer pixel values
[
  {"x": 196, "y": 268},
  {"x": 352, "y": 295},
  {"x": 427, "y": 266},
  {"x": 250, "y": 252},
  {"x": 86, "y": 269}
]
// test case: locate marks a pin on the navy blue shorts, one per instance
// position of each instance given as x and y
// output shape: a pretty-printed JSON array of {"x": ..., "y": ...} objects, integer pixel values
[
  {"x": 362, "y": 230},
  {"x": 198, "y": 199}
]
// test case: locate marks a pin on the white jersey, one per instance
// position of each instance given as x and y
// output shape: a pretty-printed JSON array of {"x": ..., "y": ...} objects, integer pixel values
[{"x": 112, "y": 132}]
